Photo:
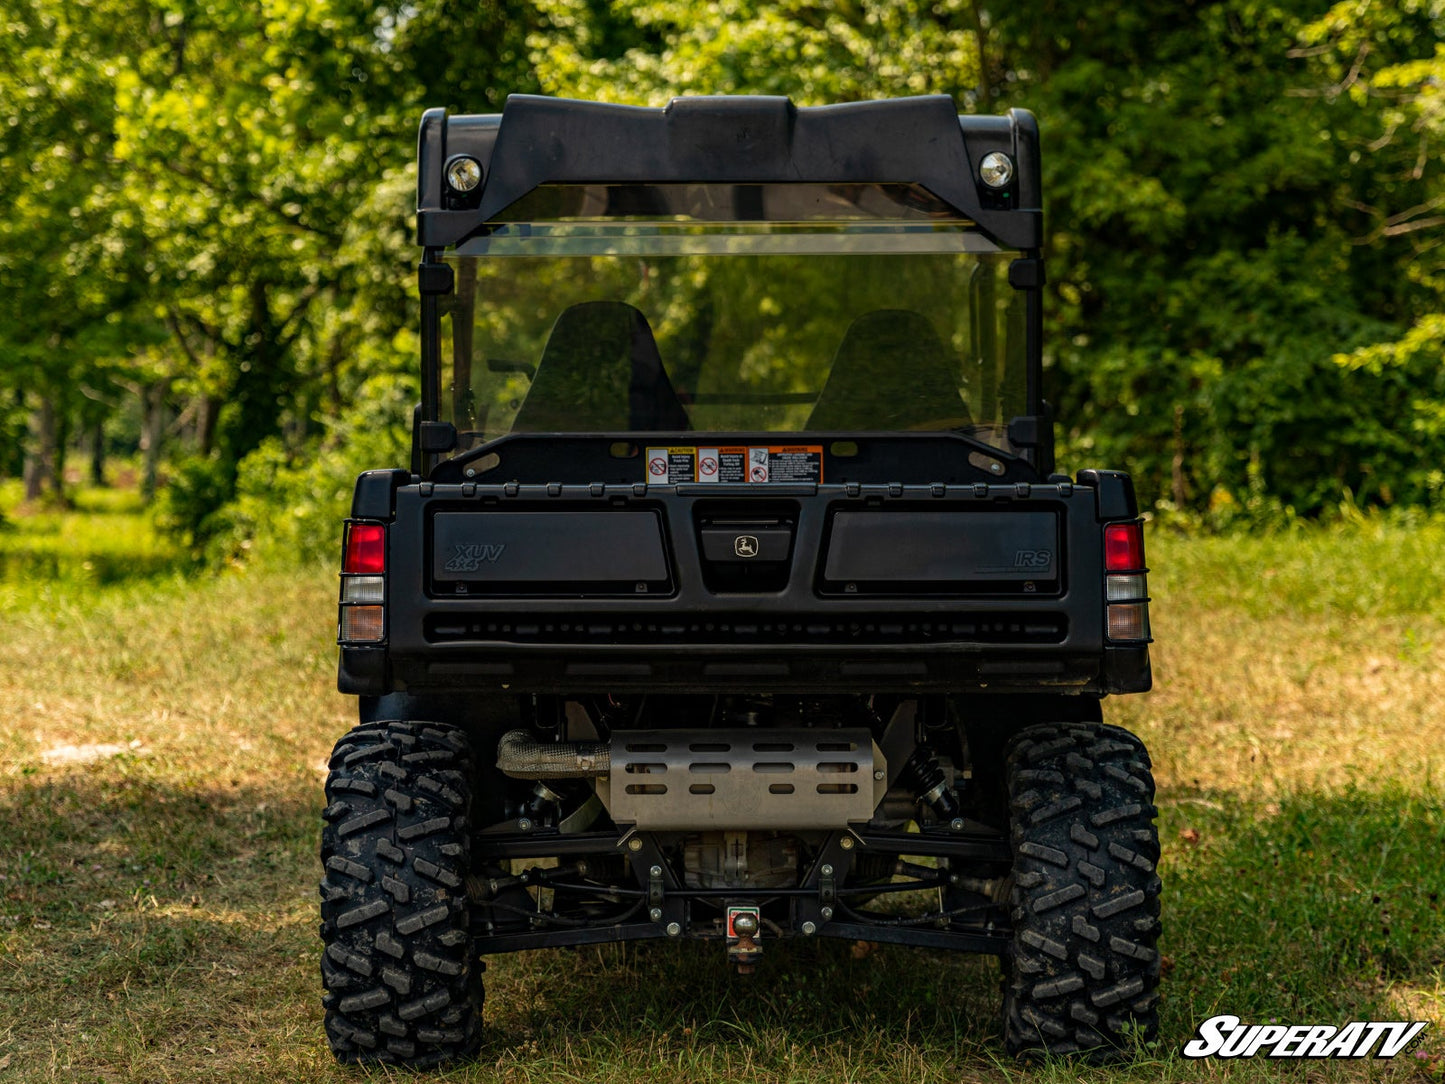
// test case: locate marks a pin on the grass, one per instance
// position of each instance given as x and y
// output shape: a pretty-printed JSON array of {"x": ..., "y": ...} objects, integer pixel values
[
  {"x": 104, "y": 538},
  {"x": 160, "y": 783}
]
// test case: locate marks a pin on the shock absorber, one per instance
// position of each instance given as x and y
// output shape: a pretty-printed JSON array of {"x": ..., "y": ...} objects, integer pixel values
[{"x": 922, "y": 773}]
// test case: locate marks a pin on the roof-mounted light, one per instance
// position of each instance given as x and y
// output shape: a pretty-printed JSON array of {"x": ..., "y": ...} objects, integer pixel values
[
  {"x": 464, "y": 173},
  {"x": 996, "y": 169}
]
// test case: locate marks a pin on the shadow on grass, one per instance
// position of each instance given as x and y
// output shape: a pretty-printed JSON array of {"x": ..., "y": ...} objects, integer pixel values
[
  {"x": 114, "y": 830},
  {"x": 1311, "y": 908},
  {"x": 1308, "y": 908},
  {"x": 94, "y": 569},
  {"x": 143, "y": 921},
  {"x": 803, "y": 993}
]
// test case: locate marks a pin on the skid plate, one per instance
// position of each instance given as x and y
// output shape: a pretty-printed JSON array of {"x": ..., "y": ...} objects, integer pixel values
[{"x": 675, "y": 780}]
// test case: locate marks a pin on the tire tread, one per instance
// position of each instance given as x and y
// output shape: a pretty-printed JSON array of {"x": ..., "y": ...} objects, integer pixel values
[
  {"x": 1084, "y": 973},
  {"x": 401, "y": 978}
]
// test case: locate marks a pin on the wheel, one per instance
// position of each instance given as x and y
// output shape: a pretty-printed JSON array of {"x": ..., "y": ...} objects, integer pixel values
[
  {"x": 1084, "y": 971},
  {"x": 402, "y": 982}
]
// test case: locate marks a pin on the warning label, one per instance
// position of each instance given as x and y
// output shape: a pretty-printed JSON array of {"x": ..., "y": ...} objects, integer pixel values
[
  {"x": 801, "y": 463},
  {"x": 671, "y": 465},
  {"x": 758, "y": 465}
]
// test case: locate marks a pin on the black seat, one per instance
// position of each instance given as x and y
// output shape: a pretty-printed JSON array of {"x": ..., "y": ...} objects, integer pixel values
[
  {"x": 600, "y": 372},
  {"x": 891, "y": 372}
]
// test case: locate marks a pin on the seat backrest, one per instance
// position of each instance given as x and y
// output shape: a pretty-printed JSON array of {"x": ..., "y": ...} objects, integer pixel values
[
  {"x": 600, "y": 372},
  {"x": 891, "y": 372}
]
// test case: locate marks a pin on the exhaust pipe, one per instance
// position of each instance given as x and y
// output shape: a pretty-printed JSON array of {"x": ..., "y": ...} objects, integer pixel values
[{"x": 524, "y": 757}]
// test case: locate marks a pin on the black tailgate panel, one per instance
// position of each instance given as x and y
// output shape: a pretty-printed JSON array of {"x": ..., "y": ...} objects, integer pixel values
[
  {"x": 988, "y": 551},
  {"x": 608, "y": 552}
]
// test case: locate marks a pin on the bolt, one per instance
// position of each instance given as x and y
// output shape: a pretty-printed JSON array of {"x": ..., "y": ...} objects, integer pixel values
[
  {"x": 634, "y": 844},
  {"x": 524, "y": 825},
  {"x": 655, "y": 871},
  {"x": 809, "y": 929},
  {"x": 846, "y": 843},
  {"x": 827, "y": 871},
  {"x": 956, "y": 824},
  {"x": 471, "y": 472},
  {"x": 827, "y": 913},
  {"x": 673, "y": 929},
  {"x": 879, "y": 773},
  {"x": 655, "y": 914}
]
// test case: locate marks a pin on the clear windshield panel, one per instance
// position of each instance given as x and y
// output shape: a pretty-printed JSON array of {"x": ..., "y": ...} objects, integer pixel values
[{"x": 680, "y": 325}]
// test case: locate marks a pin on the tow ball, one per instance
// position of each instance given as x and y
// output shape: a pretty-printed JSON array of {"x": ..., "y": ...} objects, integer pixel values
[{"x": 744, "y": 922}]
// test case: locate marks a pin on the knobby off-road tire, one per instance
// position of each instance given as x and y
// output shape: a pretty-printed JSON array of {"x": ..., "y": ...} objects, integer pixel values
[
  {"x": 402, "y": 982},
  {"x": 1084, "y": 970}
]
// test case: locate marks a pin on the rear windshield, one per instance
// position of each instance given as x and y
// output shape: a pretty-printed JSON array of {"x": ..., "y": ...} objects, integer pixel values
[{"x": 820, "y": 324}]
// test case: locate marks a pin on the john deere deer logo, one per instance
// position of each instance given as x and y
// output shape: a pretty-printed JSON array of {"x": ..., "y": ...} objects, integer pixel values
[{"x": 745, "y": 545}]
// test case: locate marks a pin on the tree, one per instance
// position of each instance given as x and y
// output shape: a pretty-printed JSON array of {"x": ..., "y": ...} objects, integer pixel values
[
  {"x": 1386, "y": 62},
  {"x": 69, "y": 271},
  {"x": 205, "y": 205},
  {"x": 1200, "y": 239}
]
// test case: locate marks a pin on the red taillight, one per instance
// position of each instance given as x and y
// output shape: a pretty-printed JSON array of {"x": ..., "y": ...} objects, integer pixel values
[
  {"x": 1126, "y": 586},
  {"x": 362, "y": 619},
  {"x": 365, "y": 548},
  {"x": 1123, "y": 547}
]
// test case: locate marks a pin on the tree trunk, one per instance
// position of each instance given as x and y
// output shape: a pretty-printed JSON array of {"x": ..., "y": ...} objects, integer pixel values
[
  {"x": 40, "y": 450},
  {"x": 335, "y": 358},
  {"x": 152, "y": 431},
  {"x": 210, "y": 406},
  {"x": 1180, "y": 489},
  {"x": 980, "y": 28},
  {"x": 97, "y": 454},
  {"x": 62, "y": 445}
]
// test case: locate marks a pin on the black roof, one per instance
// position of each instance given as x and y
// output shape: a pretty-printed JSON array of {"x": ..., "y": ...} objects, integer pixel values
[{"x": 734, "y": 139}]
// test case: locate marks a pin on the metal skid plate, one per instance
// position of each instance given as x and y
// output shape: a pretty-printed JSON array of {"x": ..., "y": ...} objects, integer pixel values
[{"x": 680, "y": 780}]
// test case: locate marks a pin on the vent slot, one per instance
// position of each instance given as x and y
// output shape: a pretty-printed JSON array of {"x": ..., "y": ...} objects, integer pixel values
[{"x": 821, "y": 629}]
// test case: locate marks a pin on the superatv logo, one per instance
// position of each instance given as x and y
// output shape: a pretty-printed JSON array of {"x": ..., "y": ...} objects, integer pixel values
[
  {"x": 1227, "y": 1037},
  {"x": 471, "y": 557}
]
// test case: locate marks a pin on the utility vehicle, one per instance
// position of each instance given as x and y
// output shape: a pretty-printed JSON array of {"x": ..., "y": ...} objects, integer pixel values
[{"x": 731, "y": 592}]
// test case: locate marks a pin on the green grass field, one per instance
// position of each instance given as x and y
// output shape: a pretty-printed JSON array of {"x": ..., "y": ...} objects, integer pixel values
[{"x": 160, "y": 788}]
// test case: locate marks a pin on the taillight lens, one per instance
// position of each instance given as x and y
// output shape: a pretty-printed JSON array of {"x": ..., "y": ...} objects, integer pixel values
[
  {"x": 1129, "y": 621},
  {"x": 1124, "y": 547},
  {"x": 1126, "y": 587},
  {"x": 360, "y": 624},
  {"x": 365, "y": 548},
  {"x": 363, "y": 589},
  {"x": 362, "y": 619}
]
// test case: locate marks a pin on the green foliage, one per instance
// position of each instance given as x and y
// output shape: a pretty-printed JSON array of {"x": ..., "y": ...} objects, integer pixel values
[
  {"x": 289, "y": 507},
  {"x": 187, "y": 506},
  {"x": 1199, "y": 185},
  {"x": 646, "y": 51}
]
